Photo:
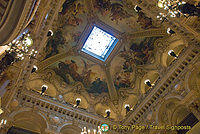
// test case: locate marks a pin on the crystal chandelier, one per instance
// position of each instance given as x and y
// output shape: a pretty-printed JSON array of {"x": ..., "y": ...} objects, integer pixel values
[
  {"x": 17, "y": 50},
  {"x": 172, "y": 8},
  {"x": 21, "y": 47}
]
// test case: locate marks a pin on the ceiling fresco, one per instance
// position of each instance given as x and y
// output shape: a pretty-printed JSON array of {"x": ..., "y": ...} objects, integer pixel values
[
  {"x": 75, "y": 69},
  {"x": 75, "y": 75},
  {"x": 136, "y": 53}
]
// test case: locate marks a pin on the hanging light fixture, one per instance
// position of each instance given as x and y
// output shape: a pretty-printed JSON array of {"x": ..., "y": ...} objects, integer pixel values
[
  {"x": 21, "y": 46},
  {"x": 91, "y": 131},
  {"x": 17, "y": 50},
  {"x": 172, "y": 8}
]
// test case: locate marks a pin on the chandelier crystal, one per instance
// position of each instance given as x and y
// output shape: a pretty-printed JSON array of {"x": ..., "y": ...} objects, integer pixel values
[
  {"x": 21, "y": 47},
  {"x": 172, "y": 8},
  {"x": 17, "y": 50}
]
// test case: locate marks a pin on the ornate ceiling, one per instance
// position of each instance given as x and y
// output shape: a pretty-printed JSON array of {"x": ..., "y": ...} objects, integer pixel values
[
  {"x": 141, "y": 53},
  {"x": 120, "y": 81}
]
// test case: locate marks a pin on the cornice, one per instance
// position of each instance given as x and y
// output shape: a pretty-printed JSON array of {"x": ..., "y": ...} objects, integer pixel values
[
  {"x": 49, "y": 104},
  {"x": 190, "y": 55}
]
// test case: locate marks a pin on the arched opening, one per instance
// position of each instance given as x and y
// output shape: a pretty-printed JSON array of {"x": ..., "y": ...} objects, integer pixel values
[
  {"x": 177, "y": 46},
  {"x": 166, "y": 110},
  {"x": 70, "y": 129},
  {"x": 179, "y": 114},
  {"x": 152, "y": 76},
  {"x": 193, "y": 81},
  {"x": 71, "y": 98},
  {"x": 177, "y": 50},
  {"x": 29, "y": 121},
  {"x": 131, "y": 101},
  {"x": 36, "y": 84},
  {"x": 101, "y": 109}
]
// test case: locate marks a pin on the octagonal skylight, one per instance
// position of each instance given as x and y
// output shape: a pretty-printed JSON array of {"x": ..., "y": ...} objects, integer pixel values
[{"x": 99, "y": 43}]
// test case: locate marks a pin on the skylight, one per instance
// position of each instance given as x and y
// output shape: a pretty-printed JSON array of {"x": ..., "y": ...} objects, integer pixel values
[{"x": 99, "y": 44}]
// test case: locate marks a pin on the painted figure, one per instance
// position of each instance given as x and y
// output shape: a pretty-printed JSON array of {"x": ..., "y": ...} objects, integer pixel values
[
  {"x": 122, "y": 82},
  {"x": 53, "y": 44},
  {"x": 98, "y": 86},
  {"x": 142, "y": 52},
  {"x": 68, "y": 4},
  {"x": 68, "y": 71},
  {"x": 70, "y": 10},
  {"x": 73, "y": 21},
  {"x": 144, "y": 21},
  {"x": 118, "y": 12},
  {"x": 116, "y": 9},
  {"x": 76, "y": 36},
  {"x": 103, "y": 6}
]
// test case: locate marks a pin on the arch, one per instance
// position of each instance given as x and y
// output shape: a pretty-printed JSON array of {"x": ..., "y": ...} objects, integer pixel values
[
  {"x": 36, "y": 84},
  {"x": 179, "y": 114},
  {"x": 71, "y": 98},
  {"x": 164, "y": 112},
  {"x": 51, "y": 60},
  {"x": 29, "y": 120},
  {"x": 192, "y": 79},
  {"x": 177, "y": 50},
  {"x": 70, "y": 129},
  {"x": 131, "y": 100},
  {"x": 100, "y": 109},
  {"x": 152, "y": 76},
  {"x": 172, "y": 45}
]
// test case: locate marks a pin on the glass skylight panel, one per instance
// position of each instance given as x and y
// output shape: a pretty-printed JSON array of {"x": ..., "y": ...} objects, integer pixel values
[{"x": 99, "y": 44}]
